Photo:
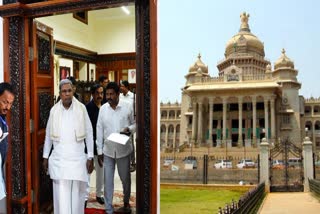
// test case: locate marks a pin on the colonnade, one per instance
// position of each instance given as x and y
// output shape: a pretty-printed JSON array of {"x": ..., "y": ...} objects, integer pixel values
[{"x": 197, "y": 121}]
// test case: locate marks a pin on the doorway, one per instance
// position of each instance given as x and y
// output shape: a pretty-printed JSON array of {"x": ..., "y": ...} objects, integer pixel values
[
  {"x": 16, "y": 63},
  {"x": 82, "y": 50}
]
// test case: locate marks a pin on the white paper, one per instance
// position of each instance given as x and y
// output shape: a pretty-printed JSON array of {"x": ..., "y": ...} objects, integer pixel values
[
  {"x": 119, "y": 138},
  {"x": 4, "y": 136}
]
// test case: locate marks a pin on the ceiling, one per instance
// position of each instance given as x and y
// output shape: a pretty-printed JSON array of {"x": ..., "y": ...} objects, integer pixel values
[{"x": 111, "y": 13}]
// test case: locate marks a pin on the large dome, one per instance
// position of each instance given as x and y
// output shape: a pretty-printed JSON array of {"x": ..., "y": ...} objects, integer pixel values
[{"x": 244, "y": 41}]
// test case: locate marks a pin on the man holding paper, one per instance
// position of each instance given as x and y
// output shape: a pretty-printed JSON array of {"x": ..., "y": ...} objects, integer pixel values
[{"x": 114, "y": 121}]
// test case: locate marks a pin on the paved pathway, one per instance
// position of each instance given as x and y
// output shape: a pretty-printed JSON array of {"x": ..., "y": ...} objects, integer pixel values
[{"x": 290, "y": 203}]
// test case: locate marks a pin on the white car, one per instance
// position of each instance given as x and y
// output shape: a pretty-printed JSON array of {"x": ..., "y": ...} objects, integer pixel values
[
  {"x": 223, "y": 164},
  {"x": 245, "y": 163},
  {"x": 168, "y": 161},
  {"x": 294, "y": 162}
]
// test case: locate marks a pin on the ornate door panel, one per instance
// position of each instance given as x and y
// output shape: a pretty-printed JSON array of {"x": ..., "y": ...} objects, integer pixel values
[{"x": 42, "y": 76}]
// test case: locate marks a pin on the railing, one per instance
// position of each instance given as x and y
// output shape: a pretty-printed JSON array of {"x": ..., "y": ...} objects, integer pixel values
[
  {"x": 314, "y": 186},
  {"x": 249, "y": 203}
]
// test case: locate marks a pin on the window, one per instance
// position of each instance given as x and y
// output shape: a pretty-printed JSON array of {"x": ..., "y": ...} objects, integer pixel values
[{"x": 286, "y": 119}]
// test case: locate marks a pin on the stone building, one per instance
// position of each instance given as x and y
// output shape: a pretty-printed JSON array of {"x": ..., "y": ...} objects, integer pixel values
[{"x": 247, "y": 101}]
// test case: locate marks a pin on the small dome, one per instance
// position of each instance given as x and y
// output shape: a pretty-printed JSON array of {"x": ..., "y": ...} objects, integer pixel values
[
  {"x": 244, "y": 39},
  {"x": 268, "y": 68},
  {"x": 283, "y": 61},
  {"x": 198, "y": 64}
]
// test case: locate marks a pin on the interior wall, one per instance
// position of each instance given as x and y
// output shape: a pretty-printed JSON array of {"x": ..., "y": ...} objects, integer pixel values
[
  {"x": 69, "y": 30},
  {"x": 114, "y": 36},
  {"x": 101, "y": 35},
  {"x": 83, "y": 71},
  {"x": 66, "y": 63},
  {"x": 92, "y": 76}
]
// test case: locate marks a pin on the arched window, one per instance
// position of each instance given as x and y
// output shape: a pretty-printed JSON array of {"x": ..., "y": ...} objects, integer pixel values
[{"x": 164, "y": 114}]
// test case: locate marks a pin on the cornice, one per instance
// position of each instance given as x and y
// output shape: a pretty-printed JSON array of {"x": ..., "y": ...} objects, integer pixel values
[
  {"x": 62, "y": 6},
  {"x": 74, "y": 52}
]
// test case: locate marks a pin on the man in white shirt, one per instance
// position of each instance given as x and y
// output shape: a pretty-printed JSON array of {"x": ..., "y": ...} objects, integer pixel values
[
  {"x": 68, "y": 129},
  {"x": 128, "y": 96},
  {"x": 114, "y": 117}
]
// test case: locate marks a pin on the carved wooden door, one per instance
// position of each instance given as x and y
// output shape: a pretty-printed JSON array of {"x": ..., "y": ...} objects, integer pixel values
[{"x": 41, "y": 81}]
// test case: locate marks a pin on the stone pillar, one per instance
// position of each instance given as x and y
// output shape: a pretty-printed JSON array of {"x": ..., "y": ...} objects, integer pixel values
[
  {"x": 266, "y": 118},
  {"x": 209, "y": 141},
  {"x": 166, "y": 139},
  {"x": 240, "y": 140},
  {"x": 174, "y": 138},
  {"x": 254, "y": 121},
  {"x": 273, "y": 122},
  {"x": 312, "y": 110},
  {"x": 200, "y": 122},
  {"x": 194, "y": 122},
  {"x": 307, "y": 162},
  {"x": 313, "y": 132},
  {"x": 219, "y": 127},
  {"x": 224, "y": 122},
  {"x": 264, "y": 163}
]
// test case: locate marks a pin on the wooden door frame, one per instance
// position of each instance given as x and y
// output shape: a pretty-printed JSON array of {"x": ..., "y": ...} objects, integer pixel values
[{"x": 16, "y": 14}]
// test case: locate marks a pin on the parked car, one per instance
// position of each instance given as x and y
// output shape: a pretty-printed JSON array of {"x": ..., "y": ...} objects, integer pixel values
[
  {"x": 223, "y": 164},
  {"x": 191, "y": 160},
  {"x": 294, "y": 162},
  {"x": 277, "y": 164},
  {"x": 245, "y": 163},
  {"x": 168, "y": 161},
  {"x": 317, "y": 163}
]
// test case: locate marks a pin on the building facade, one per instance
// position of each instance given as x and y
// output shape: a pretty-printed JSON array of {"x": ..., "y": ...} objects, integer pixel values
[{"x": 247, "y": 101}]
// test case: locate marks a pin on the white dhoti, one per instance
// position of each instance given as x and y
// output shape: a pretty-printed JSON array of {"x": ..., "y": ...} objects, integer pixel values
[{"x": 69, "y": 196}]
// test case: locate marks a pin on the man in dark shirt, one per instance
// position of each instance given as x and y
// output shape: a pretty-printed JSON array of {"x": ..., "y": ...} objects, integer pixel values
[
  {"x": 6, "y": 101},
  {"x": 103, "y": 81},
  {"x": 93, "y": 110}
]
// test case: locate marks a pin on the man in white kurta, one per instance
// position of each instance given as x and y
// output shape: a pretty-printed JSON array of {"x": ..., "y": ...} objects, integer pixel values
[
  {"x": 128, "y": 96},
  {"x": 68, "y": 129}
]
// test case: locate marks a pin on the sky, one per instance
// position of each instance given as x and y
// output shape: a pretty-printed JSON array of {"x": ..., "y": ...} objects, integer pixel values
[{"x": 189, "y": 27}]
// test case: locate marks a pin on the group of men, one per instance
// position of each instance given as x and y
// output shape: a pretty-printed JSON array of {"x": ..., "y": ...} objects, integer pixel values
[{"x": 77, "y": 141}]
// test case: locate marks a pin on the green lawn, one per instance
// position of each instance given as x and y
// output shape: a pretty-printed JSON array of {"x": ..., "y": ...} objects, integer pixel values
[{"x": 189, "y": 201}]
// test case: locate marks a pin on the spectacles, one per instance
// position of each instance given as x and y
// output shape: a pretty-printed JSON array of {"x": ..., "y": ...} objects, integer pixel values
[{"x": 66, "y": 91}]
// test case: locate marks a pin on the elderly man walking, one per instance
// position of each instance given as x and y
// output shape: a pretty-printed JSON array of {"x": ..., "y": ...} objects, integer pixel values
[{"x": 68, "y": 129}]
